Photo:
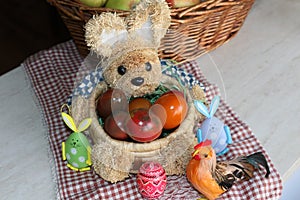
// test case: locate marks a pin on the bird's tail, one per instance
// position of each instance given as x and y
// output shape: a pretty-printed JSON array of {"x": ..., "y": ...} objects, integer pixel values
[
  {"x": 257, "y": 160},
  {"x": 241, "y": 168},
  {"x": 247, "y": 165}
]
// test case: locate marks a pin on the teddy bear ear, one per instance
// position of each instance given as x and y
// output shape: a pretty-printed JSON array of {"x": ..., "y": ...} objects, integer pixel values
[
  {"x": 150, "y": 20},
  {"x": 103, "y": 31}
]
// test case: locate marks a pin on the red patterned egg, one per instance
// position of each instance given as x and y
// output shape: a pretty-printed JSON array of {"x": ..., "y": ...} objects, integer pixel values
[{"x": 151, "y": 180}]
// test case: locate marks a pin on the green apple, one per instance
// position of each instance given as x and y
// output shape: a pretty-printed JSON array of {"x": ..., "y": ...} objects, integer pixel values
[
  {"x": 121, "y": 4},
  {"x": 93, "y": 3},
  {"x": 182, "y": 3}
]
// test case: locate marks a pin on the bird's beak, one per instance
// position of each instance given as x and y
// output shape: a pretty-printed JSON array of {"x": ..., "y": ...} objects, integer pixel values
[
  {"x": 195, "y": 152},
  {"x": 210, "y": 154}
]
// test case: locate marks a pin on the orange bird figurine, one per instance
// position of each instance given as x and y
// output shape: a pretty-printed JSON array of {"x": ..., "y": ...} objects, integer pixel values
[{"x": 212, "y": 178}]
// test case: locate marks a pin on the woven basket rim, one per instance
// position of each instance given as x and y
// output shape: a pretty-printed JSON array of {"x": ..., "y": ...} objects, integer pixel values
[
  {"x": 176, "y": 13},
  {"x": 134, "y": 146}
]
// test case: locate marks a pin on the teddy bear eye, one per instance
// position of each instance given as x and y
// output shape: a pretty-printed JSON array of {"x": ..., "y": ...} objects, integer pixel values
[
  {"x": 148, "y": 66},
  {"x": 121, "y": 70}
]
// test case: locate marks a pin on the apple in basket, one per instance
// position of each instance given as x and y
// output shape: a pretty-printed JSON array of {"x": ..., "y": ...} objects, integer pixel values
[
  {"x": 121, "y": 4},
  {"x": 174, "y": 107},
  {"x": 144, "y": 125},
  {"x": 112, "y": 100},
  {"x": 114, "y": 125},
  {"x": 138, "y": 103},
  {"x": 182, "y": 3},
  {"x": 93, "y": 3}
]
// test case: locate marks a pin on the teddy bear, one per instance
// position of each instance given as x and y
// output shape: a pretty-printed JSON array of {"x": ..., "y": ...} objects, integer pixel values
[{"x": 126, "y": 50}]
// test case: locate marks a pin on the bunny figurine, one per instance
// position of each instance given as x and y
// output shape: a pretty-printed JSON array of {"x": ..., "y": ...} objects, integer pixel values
[
  {"x": 212, "y": 128},
  {"x": 77, "y": 149}
]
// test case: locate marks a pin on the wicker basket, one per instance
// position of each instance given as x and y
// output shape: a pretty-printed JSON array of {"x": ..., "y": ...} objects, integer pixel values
[
  {"x": 194, "y": 30},
  {"x": 114, "y": 160}
]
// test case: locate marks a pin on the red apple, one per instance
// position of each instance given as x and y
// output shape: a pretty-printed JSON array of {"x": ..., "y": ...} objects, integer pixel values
[
  {"x": 175, "y": 107},
  {"x": 112, "y": 100},
  {"x": 138, "y": 103},
  {"x": 143, "y": 126},
  {"x": 114, "y": 125},
  {"x": 160, "y": 112},
  {"x": 182, "y": 3}
]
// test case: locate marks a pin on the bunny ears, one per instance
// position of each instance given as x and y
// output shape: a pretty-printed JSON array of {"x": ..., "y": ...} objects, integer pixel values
[
  {"x": 84, "y": 124},
  {"x": 103, "y": 31},
  {"x": 213, "y": 107},
  {"x": 107, "y": 34}
]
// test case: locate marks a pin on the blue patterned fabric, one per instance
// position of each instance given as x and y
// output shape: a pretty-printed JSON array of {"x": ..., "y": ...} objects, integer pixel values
[
  {"x": 90, "y": 81},
  {"x": 86, "y": 87},
  {"x": 186, "y": 79}
]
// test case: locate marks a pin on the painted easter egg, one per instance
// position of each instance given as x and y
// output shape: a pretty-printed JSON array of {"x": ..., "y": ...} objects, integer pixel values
[
  {"x": 76, "y": 150},
  {"x": 151, "y": 180}
]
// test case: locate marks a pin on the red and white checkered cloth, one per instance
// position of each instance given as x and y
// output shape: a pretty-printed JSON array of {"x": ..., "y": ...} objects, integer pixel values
[{"x": 52, "y": 73}]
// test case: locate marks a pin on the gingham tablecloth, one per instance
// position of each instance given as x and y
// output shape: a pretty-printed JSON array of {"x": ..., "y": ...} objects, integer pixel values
[{"x": 52, "y": 73}]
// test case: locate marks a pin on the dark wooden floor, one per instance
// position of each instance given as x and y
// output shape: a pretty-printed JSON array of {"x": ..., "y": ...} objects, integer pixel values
[{"x": 26, "y": 28}]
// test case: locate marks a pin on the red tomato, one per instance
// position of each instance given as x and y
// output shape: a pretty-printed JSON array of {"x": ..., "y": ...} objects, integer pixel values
[
  {"x": 138, "y": 103},
  {"x": 114, "y": 125},
  {"x": 175, "y": 107},
  {"x": 110, "y": 101},
  {"x": 143, "y": 127}
]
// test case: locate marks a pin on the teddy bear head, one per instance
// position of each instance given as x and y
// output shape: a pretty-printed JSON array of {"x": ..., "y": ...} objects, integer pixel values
[{"x": 128, "y": 47}]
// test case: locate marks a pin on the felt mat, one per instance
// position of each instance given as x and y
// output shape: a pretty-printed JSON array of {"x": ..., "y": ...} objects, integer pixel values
[{"x": 52, "y": 73}]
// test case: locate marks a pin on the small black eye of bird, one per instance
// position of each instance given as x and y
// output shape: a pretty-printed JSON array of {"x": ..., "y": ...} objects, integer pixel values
[{"x": 121, "y": 70}]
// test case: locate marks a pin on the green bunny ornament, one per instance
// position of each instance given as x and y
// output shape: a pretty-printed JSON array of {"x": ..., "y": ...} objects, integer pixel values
[{"x": 77, "y": 149}]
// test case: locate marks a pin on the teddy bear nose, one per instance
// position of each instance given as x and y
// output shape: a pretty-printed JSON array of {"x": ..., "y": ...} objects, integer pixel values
[{"x": 137, "y": 81}]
